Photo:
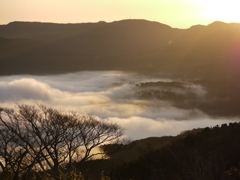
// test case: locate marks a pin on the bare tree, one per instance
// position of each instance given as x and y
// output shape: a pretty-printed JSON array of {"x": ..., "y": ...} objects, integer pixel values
[
  {"x": 36, "y": 137},
  {"x": 11, "y": 152}
]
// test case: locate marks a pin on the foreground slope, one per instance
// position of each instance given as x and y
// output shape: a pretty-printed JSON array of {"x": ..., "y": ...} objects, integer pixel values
[{"x": 212, "y": 153}]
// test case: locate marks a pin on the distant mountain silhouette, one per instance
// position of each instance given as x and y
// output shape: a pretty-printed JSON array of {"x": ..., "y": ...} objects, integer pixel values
[{"x": 138, "y": 45}]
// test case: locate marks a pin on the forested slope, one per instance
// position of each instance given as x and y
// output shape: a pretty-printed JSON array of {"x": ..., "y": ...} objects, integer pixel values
[{"x": 212, "y": 153}]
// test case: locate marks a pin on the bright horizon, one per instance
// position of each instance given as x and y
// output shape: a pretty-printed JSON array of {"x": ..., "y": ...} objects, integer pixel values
[{"x": 177, "y": 13}]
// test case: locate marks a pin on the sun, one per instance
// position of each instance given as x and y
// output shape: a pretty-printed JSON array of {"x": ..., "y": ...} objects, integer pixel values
[{"x": 222, "y": 10}]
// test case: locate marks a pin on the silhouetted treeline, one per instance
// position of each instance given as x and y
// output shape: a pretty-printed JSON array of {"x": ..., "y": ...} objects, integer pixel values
[
  {"x": 220, "y": 97},
  {"x": 37, "y": 142},
  {"x": 171, "y": 84},
  {"x": 211, "y": 154}
]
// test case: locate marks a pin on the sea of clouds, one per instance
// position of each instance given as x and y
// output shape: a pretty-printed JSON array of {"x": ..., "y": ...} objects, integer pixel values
[{"x": 108, "y": 95}]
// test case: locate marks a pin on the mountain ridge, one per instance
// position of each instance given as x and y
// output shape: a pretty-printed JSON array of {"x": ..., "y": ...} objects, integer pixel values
[{"x": 135, "y": 45}]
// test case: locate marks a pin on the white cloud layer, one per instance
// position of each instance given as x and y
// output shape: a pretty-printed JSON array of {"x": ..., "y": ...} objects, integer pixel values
[{"x": 107, "y": 95}]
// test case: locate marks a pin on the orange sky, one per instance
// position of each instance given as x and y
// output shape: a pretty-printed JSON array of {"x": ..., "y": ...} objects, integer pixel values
[{"x": 176, "y": 13}]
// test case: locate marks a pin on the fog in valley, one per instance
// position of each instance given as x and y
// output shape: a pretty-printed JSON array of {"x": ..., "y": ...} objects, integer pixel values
[
  {"x": 117, "y": 96},
  {"x": 126, "y": 93}
]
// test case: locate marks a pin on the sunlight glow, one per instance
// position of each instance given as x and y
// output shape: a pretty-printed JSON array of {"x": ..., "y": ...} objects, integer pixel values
[
  {"x": 224, "y": 10},
  {"x": 176, "y": 13}
]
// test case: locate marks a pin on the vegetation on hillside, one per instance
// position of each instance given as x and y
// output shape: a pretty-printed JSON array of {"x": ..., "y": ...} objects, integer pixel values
[
  {"x": 36, "y": 141},
  {"x": 212, "y": 154},
  {"x": 32, "y": 149}
]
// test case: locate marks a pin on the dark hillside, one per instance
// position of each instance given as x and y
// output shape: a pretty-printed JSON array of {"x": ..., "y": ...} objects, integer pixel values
[
  {"x": 137, "y": 148},
  {"x": 210, "y": 154},
  {"x": 207, "y": 54},
  {"x": 46, "y": 32},
  {"x": 120, "y": 154},
  {"x": 22, "y": 56},
  {"x": 136, "y": 45},
  {"x": 131, "y": 45}
]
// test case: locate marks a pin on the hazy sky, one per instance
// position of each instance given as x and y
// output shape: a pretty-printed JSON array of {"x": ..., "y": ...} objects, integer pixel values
[{"x": 176, "y": 13}]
